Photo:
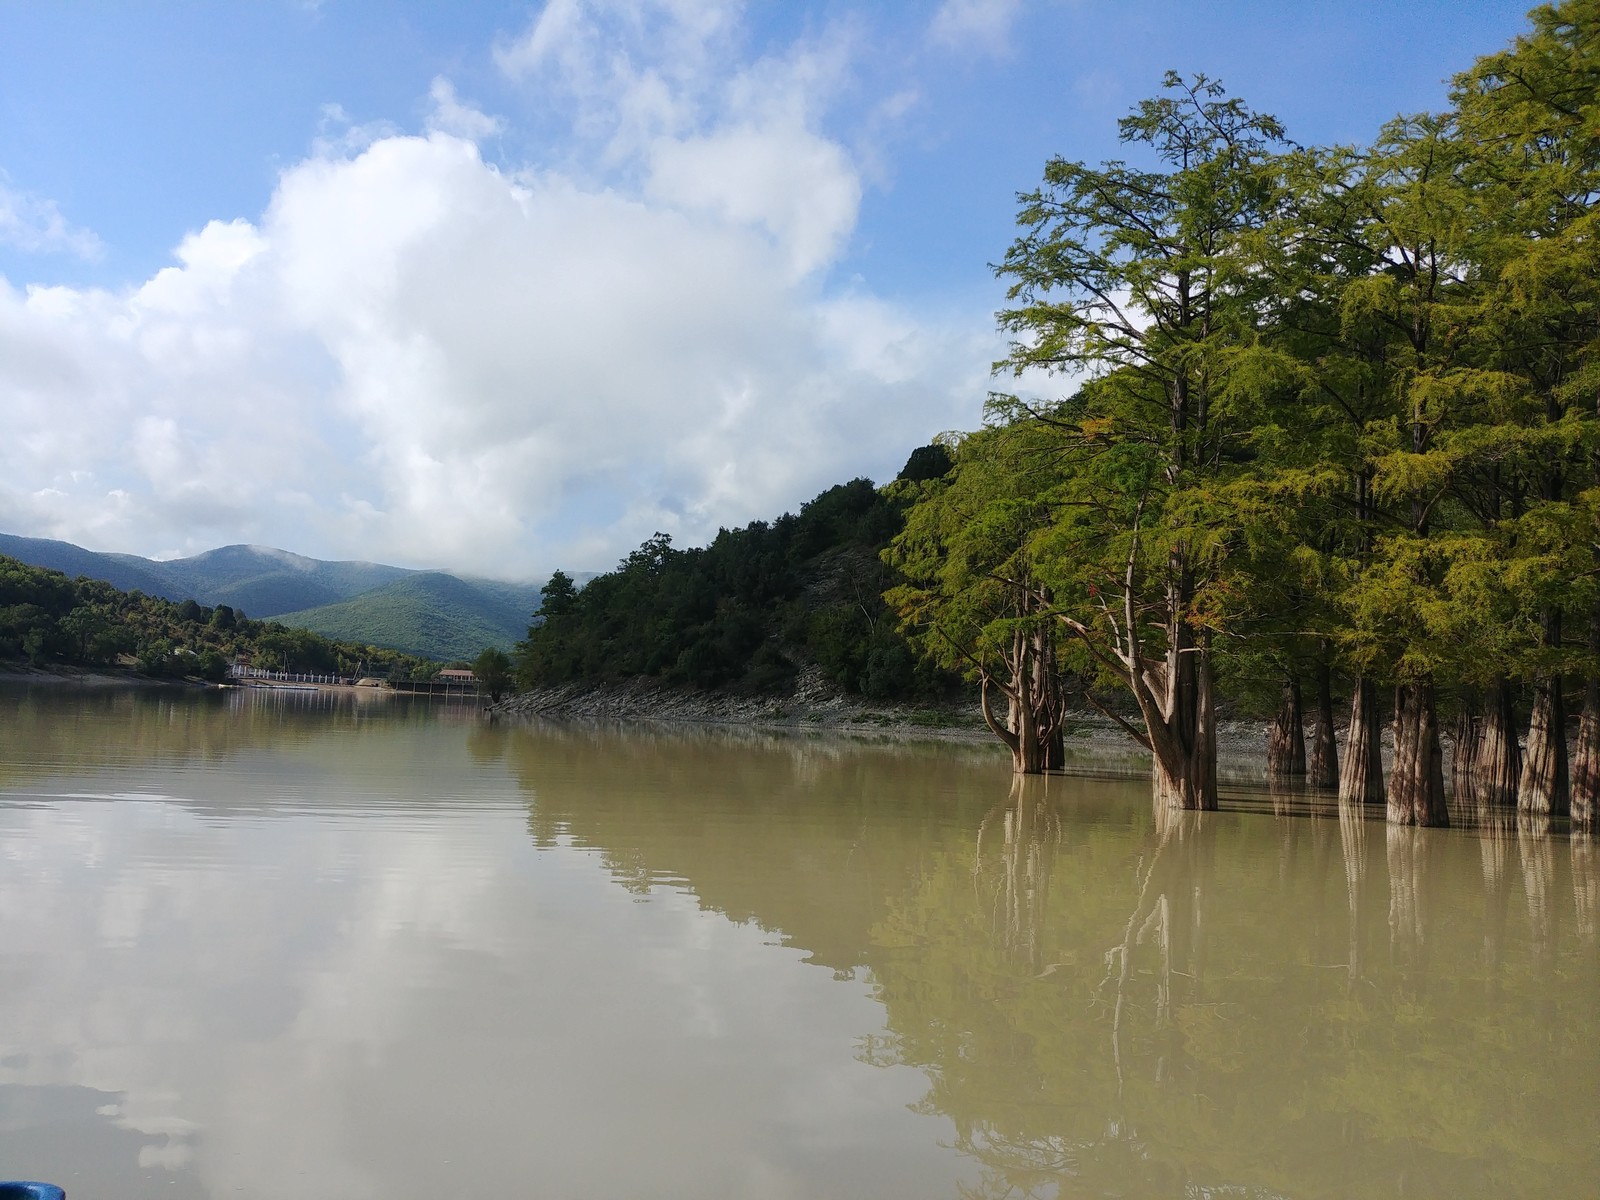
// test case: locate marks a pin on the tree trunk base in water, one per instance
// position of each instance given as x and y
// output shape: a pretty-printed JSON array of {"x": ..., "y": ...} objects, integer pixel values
[
  {"x": 1497, "y": 763},
  {"x": 1361, "y": 772},
  {"x": 1182, "y": 790},
  {"x": 1544, "y": 787},
  {"x": 1586, "y": 763},
  {"x": 1323, "y": 770},
  {"x": 1286, "y": 740},
  {"x": 1416, "y": 784}
]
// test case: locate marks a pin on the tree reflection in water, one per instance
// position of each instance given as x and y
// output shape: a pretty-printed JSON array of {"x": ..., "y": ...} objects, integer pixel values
[
  {"x": 1353, "y": 842},
  {"x": 1202, "y": 1048},
  {"x": 1586, "y": 888},
  {"x": 1110, "y": 999}
]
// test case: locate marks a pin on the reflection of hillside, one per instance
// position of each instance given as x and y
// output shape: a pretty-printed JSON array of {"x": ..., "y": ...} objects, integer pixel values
[
  {"x": 53, "y": 729},
  {"x": 799, "y": 835}
]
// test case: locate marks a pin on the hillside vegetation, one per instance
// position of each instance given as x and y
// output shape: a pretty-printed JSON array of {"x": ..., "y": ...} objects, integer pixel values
[
  {"x": 47, "y": 618},
  {"x": 125, "y": 571},
  {"x": 258, "y": 580},
  {"x": 429, "y": 614},
  {"x": 748, "y": 611}
]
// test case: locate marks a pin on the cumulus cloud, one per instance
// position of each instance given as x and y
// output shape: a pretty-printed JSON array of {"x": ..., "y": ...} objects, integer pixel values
[
  {"x": 985, "y": 24},
  {"x": 796, "y": 186},
  {"x": 451, "y": 115},
  {"x": 35, "y": 224},
  {"x": 418, "y": 355}
]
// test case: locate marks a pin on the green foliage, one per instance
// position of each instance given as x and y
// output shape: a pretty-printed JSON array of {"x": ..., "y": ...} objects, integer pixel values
[
  {"x": 492, "y": 669},
  {"x": 744, "y": 611},
  {"x": 927, "y": 462},
  {"x": 428, "y": 614},
  {"x": 967, "y": 551},
  {"x": 47, "y": 618},
  {"x": 1323, "y": 402}
]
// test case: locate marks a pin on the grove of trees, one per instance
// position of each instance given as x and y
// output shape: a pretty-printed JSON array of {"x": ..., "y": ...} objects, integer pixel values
[
  {"x": 1328, "y": 426},
  {"x": 748, "y": 610}
]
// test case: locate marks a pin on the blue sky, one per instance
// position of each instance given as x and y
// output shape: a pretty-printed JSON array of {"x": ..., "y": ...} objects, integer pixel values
[{"x": 502, "y": 287}]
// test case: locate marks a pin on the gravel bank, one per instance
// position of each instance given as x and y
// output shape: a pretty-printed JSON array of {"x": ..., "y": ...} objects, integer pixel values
[{"x": 1093, "y": 742}]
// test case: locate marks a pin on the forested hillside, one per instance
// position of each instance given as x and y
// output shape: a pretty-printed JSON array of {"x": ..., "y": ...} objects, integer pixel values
[
  {"x": 258, "y": 580},
  {"x": 427, "y": 613},
  {"x": 46, "y": 618},
  {"x": 749, "y": 610},
  {"x": 125, "y": 571}
]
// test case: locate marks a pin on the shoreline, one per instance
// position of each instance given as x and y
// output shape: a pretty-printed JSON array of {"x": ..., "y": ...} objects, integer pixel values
[
  {"x": 815, "y": 708},
  {"x": 62, "y": 674},
  {"x": 65, "y": 675}
]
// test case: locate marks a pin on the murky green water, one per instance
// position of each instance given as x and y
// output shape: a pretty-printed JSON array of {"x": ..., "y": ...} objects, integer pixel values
[{"x": 271, "y": 946}]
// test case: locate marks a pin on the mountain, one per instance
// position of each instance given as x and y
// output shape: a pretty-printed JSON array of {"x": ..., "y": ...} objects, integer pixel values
[
  {"x": 430, "y": 613},
  {"x": 427, "y": 613},
  {"x": 265, "y": 582},
  {"x": 258, "y": 580},
  {"x": 125, "y": 571}
]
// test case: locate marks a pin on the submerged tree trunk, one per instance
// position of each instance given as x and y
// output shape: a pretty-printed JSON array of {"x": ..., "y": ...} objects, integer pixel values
[
  {"x": 1324, "y": 767},
  {"x": 1586, "y": 764},
  {"x": 1174, "y": 692},
  {"x": 1286, "y": 741},
  {"x": 1361, "y": 772},
  {"x": 1464, "y": 761},
  {"x": 1497, "y": 763},
  {"x": 1051, "y": 704},
  {"x": 1183, "y": 746},
  {"x": 1034, "y": 708},
  {"x": 1017, "y": 731},
  {"x": 1544, "y": 784},
  {"x": 1416, "y": 783}
]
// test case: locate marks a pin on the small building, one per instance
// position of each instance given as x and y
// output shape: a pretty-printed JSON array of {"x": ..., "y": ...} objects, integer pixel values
[{"x": 457, "y": 675}]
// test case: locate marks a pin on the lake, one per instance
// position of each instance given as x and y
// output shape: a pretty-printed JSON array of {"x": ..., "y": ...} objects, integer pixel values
[{"x": 260, "y": 944}]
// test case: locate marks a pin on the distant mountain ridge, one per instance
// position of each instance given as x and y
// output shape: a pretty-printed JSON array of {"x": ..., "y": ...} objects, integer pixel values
[
  {"x": 431, "y": 613},
  {"x": 452, "y": 617},
  {"x": 266, "y": 582}
]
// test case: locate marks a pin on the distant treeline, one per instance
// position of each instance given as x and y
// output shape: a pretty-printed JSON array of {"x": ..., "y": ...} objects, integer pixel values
[
  {"x": 47, "y": 618},
  {"x": 750, "y": 609}
]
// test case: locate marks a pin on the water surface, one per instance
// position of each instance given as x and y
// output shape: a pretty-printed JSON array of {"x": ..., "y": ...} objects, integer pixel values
[{"x": 267, "y": 945}]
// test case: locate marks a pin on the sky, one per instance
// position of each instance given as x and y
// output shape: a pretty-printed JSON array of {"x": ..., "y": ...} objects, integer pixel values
[{"x": 501, "y": 288}]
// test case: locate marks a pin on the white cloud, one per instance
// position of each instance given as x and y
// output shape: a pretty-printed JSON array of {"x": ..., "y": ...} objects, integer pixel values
[
  {"x": 36, "y": 225},
  {"x": 795, "y": 185},
  {"x": 418, "y": 356},
  {"x": 627, "y": 70},
  {"x": 985, "y": 24},
  {"x": 451, "y": 115}
]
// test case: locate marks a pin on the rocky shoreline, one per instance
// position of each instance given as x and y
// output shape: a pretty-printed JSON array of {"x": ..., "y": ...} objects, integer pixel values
[{"x": 1093, "y": 741}]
